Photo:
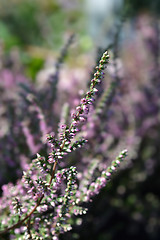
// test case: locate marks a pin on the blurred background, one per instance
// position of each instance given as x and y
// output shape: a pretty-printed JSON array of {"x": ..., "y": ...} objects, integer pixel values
[{"x": 32, "y": 34}]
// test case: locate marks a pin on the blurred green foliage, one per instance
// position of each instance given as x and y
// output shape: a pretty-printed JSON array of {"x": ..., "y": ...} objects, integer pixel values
[
  {"x": 33, "y": 65},
  {"x": 39, "y": 23},
  {"x": 6, "y": 36},
  {"x": 20, "y": 20}
]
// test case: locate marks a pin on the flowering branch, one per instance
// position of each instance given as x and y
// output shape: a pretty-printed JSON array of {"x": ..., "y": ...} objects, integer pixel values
[{"x": 65, "y": 144}]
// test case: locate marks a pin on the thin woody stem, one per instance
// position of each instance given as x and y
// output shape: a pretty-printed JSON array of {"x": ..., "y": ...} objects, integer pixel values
[
  {"x": 29, "y": 227},
  {"x": 25, "y": 218},
  {"x": 53, "y": 172}
]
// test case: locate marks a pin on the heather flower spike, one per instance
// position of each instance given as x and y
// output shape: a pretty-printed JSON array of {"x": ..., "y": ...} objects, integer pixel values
[
  {"x": 83, "y": 108},
  {"x": 95, "y": 187}
]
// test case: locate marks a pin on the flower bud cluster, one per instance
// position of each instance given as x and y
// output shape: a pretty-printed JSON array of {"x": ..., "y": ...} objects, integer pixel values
[
  {"x": 70, "y": 189},
  {"x": 55, "y": 155},
  {"x": 34, "y": 179},
  {"x": 101, "y": 181},
  {"x": 62, "y": 132},
  {"x": 64, "y": 145},
  {"x": 66, "y": 134},
  {"x": 67, "y": 201},
  {"x": 31, "y": 186},
  {"x": 61, "y": 147},
  {"x": 60, "y": 176},
  {"x": 43, "y": 187},
  {"x": 86, "y": 178},
  {"x": 79, "y": 210},
  {"x": 78, "y": 144},
  {"x": 42, "y": 164},
  {"x": 83, "y": 109},
  {"x": 17, "y": 206}
]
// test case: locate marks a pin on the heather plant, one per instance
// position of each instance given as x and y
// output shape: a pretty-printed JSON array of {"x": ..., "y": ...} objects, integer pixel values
[
  {"x": 48, "y": 201},
  {"x": 34, "y": 109},
  {"x": 42, "y": 203}
]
